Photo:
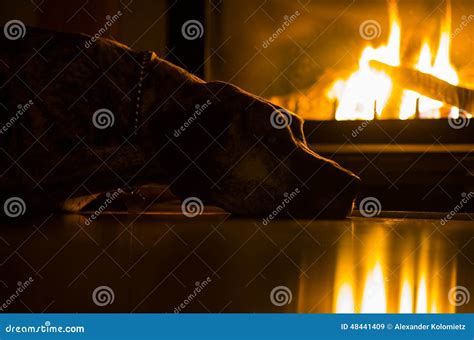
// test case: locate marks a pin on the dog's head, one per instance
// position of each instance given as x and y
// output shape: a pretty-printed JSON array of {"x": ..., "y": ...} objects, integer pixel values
[{"x": 250, "y": 157}]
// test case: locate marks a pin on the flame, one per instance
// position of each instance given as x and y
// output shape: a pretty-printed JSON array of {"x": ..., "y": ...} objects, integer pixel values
[
  {"x": 406, "y": 298},
  {"x": 421, "y": 296},
  {"x": 345, "y": 299},
  {"x": 344, "y": 279},
  {"x": 406, "y": 279},
  {"x": 365, "y": 94},
  {"x": 374, "y": 299},
  {"x": 423, "y": 280}
]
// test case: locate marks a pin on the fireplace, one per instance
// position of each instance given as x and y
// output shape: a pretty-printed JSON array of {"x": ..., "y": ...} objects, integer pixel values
[{"x": 413, "y": 152}]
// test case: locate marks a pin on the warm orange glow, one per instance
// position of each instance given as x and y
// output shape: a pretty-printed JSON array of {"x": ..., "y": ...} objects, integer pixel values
[
  {"x": 345, "y": 299},
  {"x": 406, "y": 303},
  {"x": 406, "y": 298},
  {"x": 374, "y": 299},
  {"x": 421, "y": 280},
  {"x": 367, "y": 91},
  {"x": 422, "y": 297},
  {"x": 344, "y": 278}
]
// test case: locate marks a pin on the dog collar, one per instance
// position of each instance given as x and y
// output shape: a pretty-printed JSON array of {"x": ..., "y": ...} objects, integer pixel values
[{"x": 145, "y": 59}]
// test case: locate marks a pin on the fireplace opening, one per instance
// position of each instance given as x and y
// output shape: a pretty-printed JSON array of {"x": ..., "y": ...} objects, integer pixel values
[{"x": 407, "y": 132}]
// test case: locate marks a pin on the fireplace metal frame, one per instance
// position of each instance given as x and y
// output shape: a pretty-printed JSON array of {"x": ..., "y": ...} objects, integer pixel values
[{"x": 408, "y": 165}]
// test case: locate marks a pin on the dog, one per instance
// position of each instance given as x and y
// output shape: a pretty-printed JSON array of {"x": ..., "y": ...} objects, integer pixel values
[{"x": 83, "y": 116}]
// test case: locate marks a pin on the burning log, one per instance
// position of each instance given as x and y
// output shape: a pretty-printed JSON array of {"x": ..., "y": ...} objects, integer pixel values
[{"x": 429, "y": 86}]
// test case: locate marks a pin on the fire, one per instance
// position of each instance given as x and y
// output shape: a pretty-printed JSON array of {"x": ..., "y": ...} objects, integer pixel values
[
  {"x": 372, "y": 270},
  {"x": 374, "y": 299},
  {"x": 415, "y": 296},
  {"x": 366, "y": 93},
  {"x": 419, "y": 286}
]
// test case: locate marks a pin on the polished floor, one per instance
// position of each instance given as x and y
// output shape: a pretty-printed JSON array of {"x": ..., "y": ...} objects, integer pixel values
[{"x": 216, "y": 263}]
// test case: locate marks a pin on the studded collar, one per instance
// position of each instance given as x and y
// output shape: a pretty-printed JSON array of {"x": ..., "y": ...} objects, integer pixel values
[{"x": 137, "y": 104}]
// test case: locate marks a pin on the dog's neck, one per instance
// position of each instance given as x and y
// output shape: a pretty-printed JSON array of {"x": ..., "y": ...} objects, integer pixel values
[{"x": 167, "y": 91}]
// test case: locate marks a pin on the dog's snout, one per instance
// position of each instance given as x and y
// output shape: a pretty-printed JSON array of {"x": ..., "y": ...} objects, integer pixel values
[
  {"x": 353, "y": 186},
  {"x": 329, "y": 189},
  {"x": 347, "y": 183}
]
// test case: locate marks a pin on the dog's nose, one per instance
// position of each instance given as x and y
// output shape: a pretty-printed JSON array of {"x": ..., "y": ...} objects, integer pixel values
[
  {"x": 339, "y": 187},
  {"x": 350, "y": 190},
  {"x": 348, "y": 185},
  {"x": 329, "y": 191}
]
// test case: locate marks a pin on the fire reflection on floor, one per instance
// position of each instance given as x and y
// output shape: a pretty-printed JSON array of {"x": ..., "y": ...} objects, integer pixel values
[
  {"x": 380, "y": 271},
  {"x": 152, "y": 262}
]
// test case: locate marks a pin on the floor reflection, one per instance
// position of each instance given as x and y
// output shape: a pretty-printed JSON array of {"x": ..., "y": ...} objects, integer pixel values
[
  {"x": 380, "y": 270},
  {"x": 152, "y": 263}
]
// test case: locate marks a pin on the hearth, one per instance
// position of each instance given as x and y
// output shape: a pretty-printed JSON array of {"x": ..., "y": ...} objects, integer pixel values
[{"x": 407, "y": 165}]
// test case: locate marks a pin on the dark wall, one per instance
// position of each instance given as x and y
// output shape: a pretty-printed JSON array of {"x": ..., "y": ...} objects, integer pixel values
[{"x": 142, "y": 25}]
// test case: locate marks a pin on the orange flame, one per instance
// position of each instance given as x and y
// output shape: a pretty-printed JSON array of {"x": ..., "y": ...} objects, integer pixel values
[{"x": 364, "y": 95}]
